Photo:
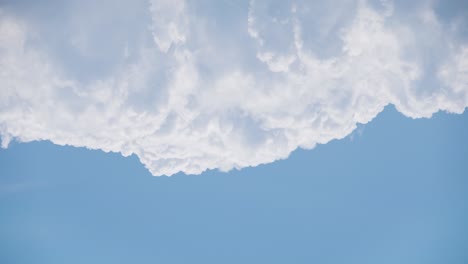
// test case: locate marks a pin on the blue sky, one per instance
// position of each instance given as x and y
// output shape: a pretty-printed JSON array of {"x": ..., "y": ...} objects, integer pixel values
[
  {"x": 395, "y": 193},
  {"x": 293, "y": 131}
]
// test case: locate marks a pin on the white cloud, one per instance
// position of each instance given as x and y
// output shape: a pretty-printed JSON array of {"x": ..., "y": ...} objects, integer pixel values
[
  {"x": 170, "y": 22},
  {"x": 197, "y": 97}
]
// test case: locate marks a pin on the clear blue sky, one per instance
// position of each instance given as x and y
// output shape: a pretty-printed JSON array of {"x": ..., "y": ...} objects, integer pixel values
[{"x": 396, "y": 193}]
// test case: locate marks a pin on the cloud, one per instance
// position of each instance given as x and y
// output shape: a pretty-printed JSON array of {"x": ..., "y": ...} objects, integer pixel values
[
  {"x": 170, "y": 23},
  {"x": 187, "y": 89}
]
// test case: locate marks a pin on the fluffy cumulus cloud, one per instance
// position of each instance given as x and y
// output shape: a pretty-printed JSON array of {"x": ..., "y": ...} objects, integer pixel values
[{"x": 194, "y": 85}]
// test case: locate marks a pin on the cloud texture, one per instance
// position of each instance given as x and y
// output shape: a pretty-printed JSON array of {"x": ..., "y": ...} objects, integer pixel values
[{"x": 194, "y": 85}]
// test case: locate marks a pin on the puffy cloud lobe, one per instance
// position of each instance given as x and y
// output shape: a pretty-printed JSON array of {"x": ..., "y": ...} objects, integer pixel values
[{"x": 297, "y": 77}]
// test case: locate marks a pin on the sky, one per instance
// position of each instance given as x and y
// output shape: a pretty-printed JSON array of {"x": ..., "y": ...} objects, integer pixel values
[
  {"x": 395, "y": 192},
  {"x": 292, "y": 131}
]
